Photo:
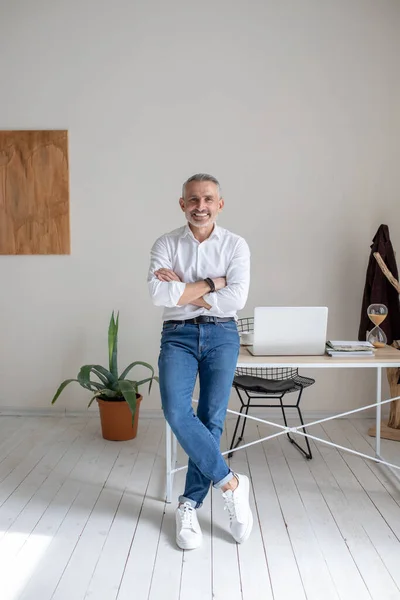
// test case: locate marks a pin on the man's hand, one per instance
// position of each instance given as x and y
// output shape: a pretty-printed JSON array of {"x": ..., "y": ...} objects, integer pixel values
[
  {"x": 220, "y": 283},
  {"x": 167, "y": 275},
  {"x": 201, "y": 302}
]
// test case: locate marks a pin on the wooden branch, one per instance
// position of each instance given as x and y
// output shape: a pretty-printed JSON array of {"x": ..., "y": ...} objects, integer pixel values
[
  {"x": 386, "y": 272},
  {"x": 392, "y": 429}
]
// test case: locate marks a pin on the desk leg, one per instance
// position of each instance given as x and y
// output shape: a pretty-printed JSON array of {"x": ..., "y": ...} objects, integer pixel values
[
  {"x": 378, "y": 412},
  {"x": 168, "y": 459}
]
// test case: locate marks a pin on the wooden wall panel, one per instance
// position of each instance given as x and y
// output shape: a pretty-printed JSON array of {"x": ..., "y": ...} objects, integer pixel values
[{"x": 34, "y": 192}]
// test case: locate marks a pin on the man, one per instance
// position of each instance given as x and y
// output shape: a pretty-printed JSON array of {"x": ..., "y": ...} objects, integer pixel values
[{"x": 200, "y": 274}]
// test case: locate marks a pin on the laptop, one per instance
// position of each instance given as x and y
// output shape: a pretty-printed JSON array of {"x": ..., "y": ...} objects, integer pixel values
[{"x": 289, "y": 331}]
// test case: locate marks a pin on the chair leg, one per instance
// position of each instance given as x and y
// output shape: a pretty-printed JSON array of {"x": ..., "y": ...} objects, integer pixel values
[
  {"x": 233, "y": 445},
  {"x": 283, "y": 412},
  {"x": 306, "y": 453},
  {"x": 244, "y": 407},
  {"x": 244, "y": 418}
]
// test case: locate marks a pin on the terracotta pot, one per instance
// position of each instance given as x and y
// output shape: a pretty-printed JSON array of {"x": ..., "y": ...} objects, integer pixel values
[{"x": 116, "y": 419}]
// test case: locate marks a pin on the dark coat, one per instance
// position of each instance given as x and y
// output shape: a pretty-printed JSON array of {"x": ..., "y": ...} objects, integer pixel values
[{"x": 379, "y": 290}]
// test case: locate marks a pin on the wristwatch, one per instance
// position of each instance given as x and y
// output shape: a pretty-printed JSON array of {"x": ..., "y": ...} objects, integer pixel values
[{"x": 210, "y": 282}]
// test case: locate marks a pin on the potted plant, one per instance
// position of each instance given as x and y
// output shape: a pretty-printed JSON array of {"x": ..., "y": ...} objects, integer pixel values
[{"x": 118, "y": 398}]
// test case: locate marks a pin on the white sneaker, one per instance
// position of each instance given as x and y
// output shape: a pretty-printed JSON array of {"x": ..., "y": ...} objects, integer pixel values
[
  {"x": 240, "y": 515},
  {"x": 188, "y": 532}
]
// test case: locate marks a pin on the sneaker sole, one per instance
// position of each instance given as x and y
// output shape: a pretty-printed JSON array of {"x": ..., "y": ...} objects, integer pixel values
[
  {"x": 247, "y": 533},
  {"x": 249, "y": 527},
  {"x": 187, "y": 545}
]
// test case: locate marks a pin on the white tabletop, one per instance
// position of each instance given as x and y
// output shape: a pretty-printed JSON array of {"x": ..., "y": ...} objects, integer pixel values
[{"x": 384, "y": 357}]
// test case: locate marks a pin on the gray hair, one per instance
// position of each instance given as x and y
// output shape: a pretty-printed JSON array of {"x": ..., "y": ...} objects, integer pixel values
[{"x": 201, "y": 177}]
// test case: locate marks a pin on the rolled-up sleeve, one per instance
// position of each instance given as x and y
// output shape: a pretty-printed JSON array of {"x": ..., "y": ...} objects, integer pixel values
[
  {"x": 163, "y": 293},
  {"x": 233, "y": 297}
]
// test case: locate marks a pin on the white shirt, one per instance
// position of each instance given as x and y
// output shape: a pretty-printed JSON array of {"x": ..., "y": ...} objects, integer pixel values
[{"x": 222, "y": 254}]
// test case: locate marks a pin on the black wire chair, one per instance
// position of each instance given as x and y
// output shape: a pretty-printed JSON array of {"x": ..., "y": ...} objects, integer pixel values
[{"x": 267, "y": 383}]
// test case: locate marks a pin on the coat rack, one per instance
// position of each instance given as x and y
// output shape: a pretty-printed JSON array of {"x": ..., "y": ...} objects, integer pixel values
[{"x": 391, "y": 429}]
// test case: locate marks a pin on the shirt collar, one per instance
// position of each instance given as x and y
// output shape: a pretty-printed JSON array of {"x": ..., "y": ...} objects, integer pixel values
[{"x": 216, "y": 232}]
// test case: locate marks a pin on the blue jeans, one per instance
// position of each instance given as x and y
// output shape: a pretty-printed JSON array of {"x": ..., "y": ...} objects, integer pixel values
[{"x": 211, "y": 351}]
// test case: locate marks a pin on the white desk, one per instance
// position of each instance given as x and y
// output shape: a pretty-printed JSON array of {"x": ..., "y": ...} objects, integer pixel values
[{"x": 385, "y": 357}]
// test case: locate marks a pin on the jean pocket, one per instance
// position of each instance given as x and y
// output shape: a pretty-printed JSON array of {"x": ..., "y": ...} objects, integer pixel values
[
  {"x": 228, "y": 325},
  {"x": 167, "y": 327}
]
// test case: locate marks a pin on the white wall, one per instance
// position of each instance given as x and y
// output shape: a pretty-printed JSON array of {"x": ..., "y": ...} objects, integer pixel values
[{"x": 293, "y": 105}]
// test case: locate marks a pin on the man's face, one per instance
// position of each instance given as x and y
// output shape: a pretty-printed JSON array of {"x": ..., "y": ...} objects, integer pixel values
[{"x": 201, "y": 203}]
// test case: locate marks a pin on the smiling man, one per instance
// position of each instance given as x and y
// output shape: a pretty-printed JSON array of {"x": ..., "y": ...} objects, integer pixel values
[{"x": 200, "y": 274}]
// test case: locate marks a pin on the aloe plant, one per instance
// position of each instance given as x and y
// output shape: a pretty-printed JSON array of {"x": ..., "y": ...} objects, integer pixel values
[{"x": 109, "y": 384}]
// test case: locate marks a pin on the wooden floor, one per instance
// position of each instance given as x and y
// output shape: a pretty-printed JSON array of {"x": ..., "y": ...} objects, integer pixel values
[{"x": 84, "y": 518}]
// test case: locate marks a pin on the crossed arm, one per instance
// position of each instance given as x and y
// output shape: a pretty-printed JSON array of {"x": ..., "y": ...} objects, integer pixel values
[
  {"x": 193, "y": 292},
  {"x": 167, "y": 289}
]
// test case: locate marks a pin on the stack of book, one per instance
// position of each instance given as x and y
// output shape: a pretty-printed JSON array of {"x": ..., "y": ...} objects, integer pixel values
[{"x": 343, "y": 348}]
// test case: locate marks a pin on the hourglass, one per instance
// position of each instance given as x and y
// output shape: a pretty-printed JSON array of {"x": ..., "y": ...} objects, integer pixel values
[{"x": 377, "y": 314}]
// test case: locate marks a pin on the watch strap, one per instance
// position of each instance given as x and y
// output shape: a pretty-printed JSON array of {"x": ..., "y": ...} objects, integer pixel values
[{"x": 210, "y": 282}]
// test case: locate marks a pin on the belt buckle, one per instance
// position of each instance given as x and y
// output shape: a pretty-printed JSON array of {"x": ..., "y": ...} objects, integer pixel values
[{"x": 201, "y": 319}]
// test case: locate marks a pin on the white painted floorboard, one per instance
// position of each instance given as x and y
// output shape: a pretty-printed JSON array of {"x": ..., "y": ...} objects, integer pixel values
[{"x": 83, "y": 518}]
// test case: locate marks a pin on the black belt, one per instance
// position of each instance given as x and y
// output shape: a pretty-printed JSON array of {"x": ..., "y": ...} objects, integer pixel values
[{"x": 203, "y": 319}]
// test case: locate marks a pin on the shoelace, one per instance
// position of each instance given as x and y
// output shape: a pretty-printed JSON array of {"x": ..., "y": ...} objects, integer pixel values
[
  {"x": 231, "y": 505},
  {"x": 187, "y": 514}
]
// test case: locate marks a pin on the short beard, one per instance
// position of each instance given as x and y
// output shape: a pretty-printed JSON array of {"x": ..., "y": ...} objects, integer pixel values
[{"x": 211, "y": 221}]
